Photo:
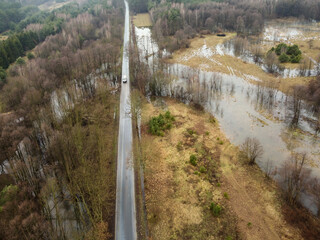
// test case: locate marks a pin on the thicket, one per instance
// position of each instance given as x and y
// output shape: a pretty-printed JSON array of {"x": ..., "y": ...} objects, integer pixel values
[
  {"x": 12, "y": 12},
  {"x": 158, "y": 125},
  {"x": 177, "y": 21},
  {"x": 287, "y": 53},
  {"x": 308, "y": 9},
  {"x": 34, "y": 29}
]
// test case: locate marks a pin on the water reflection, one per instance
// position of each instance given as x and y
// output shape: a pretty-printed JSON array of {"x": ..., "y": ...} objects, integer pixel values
[{"x": 247, "y": 110}]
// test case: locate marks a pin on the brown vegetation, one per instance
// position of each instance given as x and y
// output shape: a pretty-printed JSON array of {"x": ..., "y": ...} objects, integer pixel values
[
  {"x": 251, "y": 150},
  {"x": 179, "y": 192},
  {"x": 58, "y": 140}
]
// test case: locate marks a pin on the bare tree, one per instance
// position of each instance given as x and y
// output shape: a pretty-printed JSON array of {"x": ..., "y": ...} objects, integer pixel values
[
  {"x": 298, "y": 93},
  {"x": 272, "y": 62},
  {"x": 251, "y": 150},
  {"x": 314, "y": 189},
  {"x": 294, "y": 177}
]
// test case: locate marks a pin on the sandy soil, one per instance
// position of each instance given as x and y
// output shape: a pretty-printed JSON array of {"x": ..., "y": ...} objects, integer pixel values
[{"x": 178, "y": 195}]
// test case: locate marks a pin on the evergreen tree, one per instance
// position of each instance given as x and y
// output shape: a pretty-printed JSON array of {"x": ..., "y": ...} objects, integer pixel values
[{"x": 4, "y": 63}]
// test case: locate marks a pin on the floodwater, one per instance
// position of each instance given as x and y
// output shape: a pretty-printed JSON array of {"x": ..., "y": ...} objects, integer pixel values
[
  {"x": 273, "y": 34},
  {"x": 228, "y": 48},
  {"x": 247, "y": 110}
]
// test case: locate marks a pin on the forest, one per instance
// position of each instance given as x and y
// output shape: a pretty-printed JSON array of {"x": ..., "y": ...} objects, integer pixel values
[
  {"x": 57, "y": 126},
  {"x": 60, "y": 82},
  {"x": 182, "y": 19}
]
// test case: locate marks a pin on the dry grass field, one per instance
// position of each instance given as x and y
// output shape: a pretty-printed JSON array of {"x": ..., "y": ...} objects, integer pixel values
[
  {"x": 142, "y": 20},
  {"x": 179, "y": 194}
]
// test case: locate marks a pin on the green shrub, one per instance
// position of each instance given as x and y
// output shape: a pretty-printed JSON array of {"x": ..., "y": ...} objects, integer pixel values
[
  {"x": 287, "y": 53},
  {"x": 158, "y": 125},
  {"x": 191, "y": 131},
  {"x": 20, "y": 61},
  {"x": 215, "y": 209},
  {"x": 284, "y": 58},
  {"x": 212, "y": 119},
  {"x": 168, "y": 116},
  {"x": 281, "y": 48},
  {"x": 30, "y": 56},
  {"x": 220, "y": 142},
  {"x": 226, "y": 196},
  {"x": 193, "y": 160},
  {"x": 179, "y": 146},
  {"x": 7, "y": 194},
  {"x": 293, "y": 50},
  {"x": 202, "y": 169},
  {"x": 207, "y": 133},
  {"x": 295, "y": 59}
]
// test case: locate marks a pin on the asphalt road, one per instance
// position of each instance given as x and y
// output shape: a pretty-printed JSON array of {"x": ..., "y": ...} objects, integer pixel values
[{"x": 125, "y": 204}]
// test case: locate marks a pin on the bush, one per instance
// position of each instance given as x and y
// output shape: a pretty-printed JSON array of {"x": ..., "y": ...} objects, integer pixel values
[
  {"x": 284, "y": 58},
  {"x": 193, "y": 160},
  {"x": 190, "y": 131},
  {"x": 281, "y": 48},
  {"x": 179, "y": 146},
  {"x": 215, "y": 209},
  {"x": 251, "y": 150},
  {"x": 212, "y": 119},
  {"x": 293, "y": 50},
  {"x": 3, "y": 77},
  {"x": 20, "y": 61},
  {"x": 295, "y": 59},
  {"x": 226, "y": 196},
  {"x": 287, "y": 53},
  {"x": 202, "y": 169},
  {"x": 158, "y": 125},
  {"x": 30, "y": 56}
]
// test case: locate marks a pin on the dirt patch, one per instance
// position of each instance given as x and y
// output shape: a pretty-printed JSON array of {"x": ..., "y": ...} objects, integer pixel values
[
  {"x": 179, "y": 194},
  {"x": 3, "y": 38},
  {"x": 142, "y": 20},
  {"x": 254, "y": 199}
]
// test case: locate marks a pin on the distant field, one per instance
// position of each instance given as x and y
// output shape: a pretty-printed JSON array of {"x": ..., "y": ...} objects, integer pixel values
[
  {"x": 2, "y": 38},
  {"x": 142, "y": 20},
  {"x": 51, "y": 5}
]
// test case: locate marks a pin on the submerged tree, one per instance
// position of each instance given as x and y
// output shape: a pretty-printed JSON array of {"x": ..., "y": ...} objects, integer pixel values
[
  {"x": 294, "y": 177},
  {"x": 251, "y": 150}
]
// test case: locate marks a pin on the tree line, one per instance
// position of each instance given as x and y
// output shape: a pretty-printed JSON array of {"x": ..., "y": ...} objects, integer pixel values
[
  {"x": 177, "y": 21},
  {"x": 12, "y": 12},
  {"x": 34, "y": 29}
]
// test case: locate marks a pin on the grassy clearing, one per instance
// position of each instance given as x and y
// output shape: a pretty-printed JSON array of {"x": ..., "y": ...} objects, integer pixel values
[
  {"x": 196, "y": 188},
  {"x": 142, "y": 20},
  {"x": 52, "y": 5},
  {"x": 3, "y": 37}
]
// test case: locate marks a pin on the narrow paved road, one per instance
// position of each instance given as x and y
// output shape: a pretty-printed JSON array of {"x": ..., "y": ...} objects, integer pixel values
[{"x": 125, "y": 205}]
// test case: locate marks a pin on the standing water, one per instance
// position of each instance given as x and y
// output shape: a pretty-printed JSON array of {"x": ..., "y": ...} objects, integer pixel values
[{"x": 247, "y": 110}]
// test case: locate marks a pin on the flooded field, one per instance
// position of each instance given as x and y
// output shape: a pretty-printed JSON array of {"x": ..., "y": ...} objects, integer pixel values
[{"x": 242, "y": 108}]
